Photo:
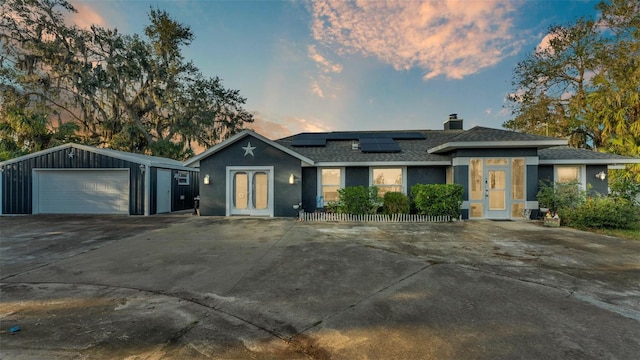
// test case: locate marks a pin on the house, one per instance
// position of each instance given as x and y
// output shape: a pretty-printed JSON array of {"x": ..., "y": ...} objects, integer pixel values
[
  {"x": 80, "y": 179},
  {"x": 499, "y": 170}
]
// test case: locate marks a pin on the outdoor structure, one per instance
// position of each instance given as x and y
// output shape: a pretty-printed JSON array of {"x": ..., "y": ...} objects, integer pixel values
[
  {"x": 500, "y": 170},
  {"x": 80, "y": 179}
]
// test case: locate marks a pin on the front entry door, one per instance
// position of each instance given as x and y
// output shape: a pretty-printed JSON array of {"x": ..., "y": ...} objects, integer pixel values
[
  {"x": 250, "y": 192},
  {"x": 496, "y": 194}
]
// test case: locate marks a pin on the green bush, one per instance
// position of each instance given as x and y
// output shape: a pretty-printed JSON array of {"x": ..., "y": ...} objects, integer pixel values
[
  {"x": 625, "y": 188},
  {"x": 395, "y": 203},
  {"x": 438, "y": 199},
  {"x": 603, "y": 213},
  {"x": 358, "y": 200},
  {"x": 559, "y": 197}
]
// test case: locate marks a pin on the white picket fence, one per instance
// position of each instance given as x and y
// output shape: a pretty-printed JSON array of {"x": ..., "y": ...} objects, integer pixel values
[{"x": 330, "y": 217}]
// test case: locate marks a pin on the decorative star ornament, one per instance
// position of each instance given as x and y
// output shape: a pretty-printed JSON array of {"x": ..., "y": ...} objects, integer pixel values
[{"x": 248, "y": 150}]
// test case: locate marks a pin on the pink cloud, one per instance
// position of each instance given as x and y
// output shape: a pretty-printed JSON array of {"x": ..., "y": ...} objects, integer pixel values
[
  {"x": 453, "y": 38},
  {"x": 86, "y": 16},
  {"x": 276, "y": 129}
]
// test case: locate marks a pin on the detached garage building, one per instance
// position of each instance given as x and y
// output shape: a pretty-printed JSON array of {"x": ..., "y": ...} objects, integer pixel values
[{"x": 80, "y": 179}]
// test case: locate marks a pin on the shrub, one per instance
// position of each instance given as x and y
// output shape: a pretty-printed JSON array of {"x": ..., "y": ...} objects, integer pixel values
[
  {"x": 560, "y": 196},
  {"x": 625, "y": 188},
  {"x": 603, "y": 213},
  {"x": 438, "y": 199},
  {"x": 358, "y": 200},
  {"x": 395, "y": 203}
]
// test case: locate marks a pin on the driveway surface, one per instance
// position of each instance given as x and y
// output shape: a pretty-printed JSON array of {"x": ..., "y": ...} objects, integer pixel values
[{"x": 165, "y": 287}]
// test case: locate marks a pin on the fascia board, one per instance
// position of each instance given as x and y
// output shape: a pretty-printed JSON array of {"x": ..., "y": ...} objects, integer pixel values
[
  {"x": 383, "y": 163},
  {"x": 36, "y": 154},
  {"x": 132, "y": 159},
  {"x": 449, "y": 146},
  {"x": 238, "y": 137},
  {"x": 589, "y": 161}
]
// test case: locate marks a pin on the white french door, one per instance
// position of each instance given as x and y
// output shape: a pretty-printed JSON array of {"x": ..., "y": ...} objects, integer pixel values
[{"x": 250, "y": 191}]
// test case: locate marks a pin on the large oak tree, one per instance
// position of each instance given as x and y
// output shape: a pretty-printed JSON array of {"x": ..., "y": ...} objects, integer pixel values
[
  {"x": 584, "y": 83},
  {"x": 104, "y": 88}
]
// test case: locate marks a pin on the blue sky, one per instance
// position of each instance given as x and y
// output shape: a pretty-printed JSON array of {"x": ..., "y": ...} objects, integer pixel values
[{"x": 362, "y": 65}]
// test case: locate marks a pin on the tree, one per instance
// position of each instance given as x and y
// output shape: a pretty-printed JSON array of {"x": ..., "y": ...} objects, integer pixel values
[
  {"x": 585, "y": 85},
  {"x": 121, "y": 91}
]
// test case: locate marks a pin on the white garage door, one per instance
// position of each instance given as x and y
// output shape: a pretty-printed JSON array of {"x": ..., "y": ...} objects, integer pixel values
[{"x": 81, "y": 191}]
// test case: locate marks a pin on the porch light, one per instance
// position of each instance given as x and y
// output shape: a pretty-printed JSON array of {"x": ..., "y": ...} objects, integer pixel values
[
  {"x": 207, "y": 179},
  {"x": 292, "y": 179},
  {"x": 142, "y": 168},
  {"x": 601, "y": 175}
]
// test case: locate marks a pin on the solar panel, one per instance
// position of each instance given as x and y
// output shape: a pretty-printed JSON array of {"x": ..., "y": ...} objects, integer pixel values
[
  {"x": 379, "y": 145},
  {"x": 319, "y": 139},
  {"x": 408, "y": 136},
  {"x": 370, "y": 142}
]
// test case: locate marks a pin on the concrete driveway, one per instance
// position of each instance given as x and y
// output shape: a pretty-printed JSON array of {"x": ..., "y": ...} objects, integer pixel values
[{"x": 203, "y": 287}]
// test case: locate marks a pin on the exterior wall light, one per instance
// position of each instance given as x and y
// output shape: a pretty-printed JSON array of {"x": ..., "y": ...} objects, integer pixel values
[
  {"x": 601, "y": 175},
  {"x": 292, "y": 179},
  {"x": 142, "y": 168},
  {"x": 207, "y": 179}
]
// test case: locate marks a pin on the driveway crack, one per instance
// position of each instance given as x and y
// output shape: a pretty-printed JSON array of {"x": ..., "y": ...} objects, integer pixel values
[{"x": 359, "y": 301}]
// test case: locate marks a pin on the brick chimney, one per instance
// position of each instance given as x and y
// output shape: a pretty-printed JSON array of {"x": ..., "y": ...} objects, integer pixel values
[{"x": 453, "y": 123}]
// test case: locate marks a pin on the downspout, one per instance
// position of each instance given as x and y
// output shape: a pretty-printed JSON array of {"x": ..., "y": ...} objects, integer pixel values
[{"x": 147, "y": 191}]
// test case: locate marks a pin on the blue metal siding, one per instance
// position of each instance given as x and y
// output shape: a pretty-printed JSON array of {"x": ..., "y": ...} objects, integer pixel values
[
  {"x": 18, "y": 177},
  {"x": 182, "y": 195}
]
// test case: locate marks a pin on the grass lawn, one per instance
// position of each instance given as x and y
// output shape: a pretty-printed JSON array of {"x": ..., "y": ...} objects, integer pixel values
[{"x": 633, "y": 234}]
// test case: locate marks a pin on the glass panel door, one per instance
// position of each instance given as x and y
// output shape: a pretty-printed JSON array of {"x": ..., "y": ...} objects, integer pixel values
[
  {"x": 497, "y": 192},
  {"x": 260, "y": 190},
  {"x": 497, "y": 198},
  {"x": 250, "y": 193},
  {"x": 240, "y": 190}
]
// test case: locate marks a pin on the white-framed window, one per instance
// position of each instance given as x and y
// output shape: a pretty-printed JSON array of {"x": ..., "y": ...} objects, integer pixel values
[
  {"x": 569, "y": 173},
  {"x": 388, "y": 179},
  {"x": 183, "y": 177},
  {"x": 330, "y": 180}
]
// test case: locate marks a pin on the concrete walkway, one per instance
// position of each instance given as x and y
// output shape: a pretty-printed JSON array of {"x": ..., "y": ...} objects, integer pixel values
[{"x": 203, "y": 287}]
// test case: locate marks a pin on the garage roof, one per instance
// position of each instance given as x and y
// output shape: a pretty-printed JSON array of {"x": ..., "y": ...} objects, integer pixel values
[{"x": 151, "y": 161}]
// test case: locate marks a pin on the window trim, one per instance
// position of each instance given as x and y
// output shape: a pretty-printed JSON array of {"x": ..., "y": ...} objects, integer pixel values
[
  {"x": 404, "y": 175},
  {"x": 319, "y": 177},
  {"x": 183, "y": 178},
  {"x": 582, "y": 170}
]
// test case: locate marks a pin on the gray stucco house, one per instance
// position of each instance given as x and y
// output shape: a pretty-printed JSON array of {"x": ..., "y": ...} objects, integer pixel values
[
  {"x": 500, "y": 170},
  {"x": 80, "y": 179}
]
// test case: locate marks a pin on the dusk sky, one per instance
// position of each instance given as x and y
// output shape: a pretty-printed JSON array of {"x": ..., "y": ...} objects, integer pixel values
[{"x": 360, "y": 65}]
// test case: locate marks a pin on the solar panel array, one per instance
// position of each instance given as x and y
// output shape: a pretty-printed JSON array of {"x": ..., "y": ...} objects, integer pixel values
[
  {"x": 376, "y": 142},
  {"x": 379, "y": 145}
]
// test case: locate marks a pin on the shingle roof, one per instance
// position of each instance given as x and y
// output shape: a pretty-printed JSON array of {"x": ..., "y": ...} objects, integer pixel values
[
  {"x": 565, "y": 153},
  {"x": 482, "y": 137},
  {"x": 482, "y": 134},
  {"x": 340, "y": 151}
]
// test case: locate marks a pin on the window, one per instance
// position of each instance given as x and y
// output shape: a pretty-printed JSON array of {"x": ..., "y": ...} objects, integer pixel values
[
  {"x": 449, "y": 175},
  {"x": 330, "y": 183},
  {"x": 183, "y": 177},
  {"x": 565, "y": 174},
  {"x": 475, "y": 171},
  {"x": 387, "y": 180}
]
